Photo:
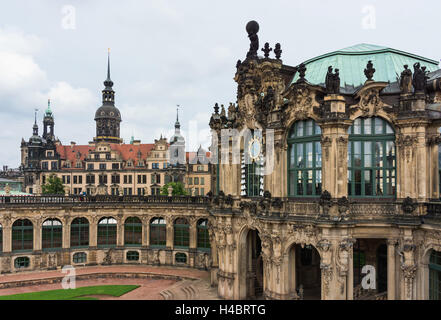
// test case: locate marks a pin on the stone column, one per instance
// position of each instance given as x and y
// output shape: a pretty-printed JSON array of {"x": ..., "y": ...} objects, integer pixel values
[
  {"x": 7, "y": 236},
  {"x": 169, "y": 233},
  {"x": 334, "y": 158},
  {"x": 66, "y": 233},
  {"x": 37, "y": 234},
  {"x": 145, "y": 232},
  {"x": 391, "y": 269},
  {"x": 120, "y": 231},
  {"x": 93, "y": 232},
  {"x": 193, "y": 234}
]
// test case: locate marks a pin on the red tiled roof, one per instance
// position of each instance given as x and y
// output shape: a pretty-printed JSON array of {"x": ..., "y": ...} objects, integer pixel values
[
  {"x": 127, "y": 151},
  {"x": 70, "y": 152},
  {"x": 130, "y": 151},
  {"x": 192, "y": 155}
]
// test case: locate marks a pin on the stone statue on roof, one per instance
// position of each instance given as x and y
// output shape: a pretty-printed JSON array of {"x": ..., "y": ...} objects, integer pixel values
[
  {"x": 406, "y": 80},
  {"x": 252, "y": 28}
]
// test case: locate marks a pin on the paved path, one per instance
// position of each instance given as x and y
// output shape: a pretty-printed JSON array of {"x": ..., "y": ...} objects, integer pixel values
[{"x": 149, "y": 289}]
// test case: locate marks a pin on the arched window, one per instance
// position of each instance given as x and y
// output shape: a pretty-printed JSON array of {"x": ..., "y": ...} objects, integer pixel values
[
  {"x": 158, "y": 232},
  {"x": 79, "y": 257},
  {"x": 52, "y": 234},
  {"x": 252, "y": 166},
  {"x": 305, "y": 159},
  {"x": 1, "y": 238},
  {"x": 181, "y": 233},
  {"x": 79, "y": 233},
  {"x": 203, "y": 236},
  {"x": 133, "y": 232},
  {"x": 439, "y": 165},
  {"x": 132, "y": 256},
  {"x": 371, "y": 158},
  {"x": 107, "y": 232},
  {"x": 435, "y": 275},
  {"x": 22, "y": 235},
  {"x": 180, "y": 257},
  {"x": 21, "y": 262}
]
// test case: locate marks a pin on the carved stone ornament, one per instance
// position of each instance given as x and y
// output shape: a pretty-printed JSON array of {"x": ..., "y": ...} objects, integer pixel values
[
  {"x": 408, "y": 205},
  {"x": 370, "y": 103}
]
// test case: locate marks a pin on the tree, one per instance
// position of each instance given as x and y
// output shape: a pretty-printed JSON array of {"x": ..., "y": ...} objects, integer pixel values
[
  {"x": 54, "y": 185},
  {"x": 178, "y": 189}
]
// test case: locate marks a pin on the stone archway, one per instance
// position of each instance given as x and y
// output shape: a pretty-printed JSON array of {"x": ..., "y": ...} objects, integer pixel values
[
  {"x": 304, "y": 273},
  {"x": 250, "y": 266}
]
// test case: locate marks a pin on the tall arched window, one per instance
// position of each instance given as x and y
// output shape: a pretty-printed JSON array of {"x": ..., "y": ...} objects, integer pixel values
[
  {"x": 435, "y": 275},
  {"x": 52, "y": 234},
  {"x": 22, "y": 235},
  {"x": 79, "y": 233},
  {"x": 304, "y": 159},
  {"x": 107, "y": 232},
  {"x": 158, "y": 232},
  {"x": 203, "y": 236},
  {"x": 181, "y": 233},
  {"x": 133, "y": 231},
  {"x": 371, "y": 158},
  {"x": 1, "y": 238}
]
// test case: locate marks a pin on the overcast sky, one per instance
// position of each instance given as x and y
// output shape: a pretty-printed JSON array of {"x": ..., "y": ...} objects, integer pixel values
[{"x": 165, "y": 53}]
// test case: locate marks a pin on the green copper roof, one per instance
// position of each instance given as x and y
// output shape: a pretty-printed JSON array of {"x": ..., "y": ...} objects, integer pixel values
[{"x": 351, "y": 62}]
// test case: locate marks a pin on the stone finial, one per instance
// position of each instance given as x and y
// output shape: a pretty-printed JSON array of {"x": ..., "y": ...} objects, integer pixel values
[
  {"x": 252, "y": 28},
  {"x": 216, "y": 108},
  {"x": 266, "y": 50},
  {"x": 278, "y": 51},
  {"x": 193, "y": 192},
  {"x": 302, "y": 71},
  {"x": 369, "y": 71},
  {"x": 170, "y": 191},
  {"x": 238, "y": 63}
]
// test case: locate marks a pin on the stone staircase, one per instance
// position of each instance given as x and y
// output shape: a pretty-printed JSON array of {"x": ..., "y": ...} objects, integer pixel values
[{"x": 190, "y": 290}]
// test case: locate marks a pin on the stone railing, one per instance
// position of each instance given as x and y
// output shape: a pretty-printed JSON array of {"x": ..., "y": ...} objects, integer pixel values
[{"x": 73, "y": 199}]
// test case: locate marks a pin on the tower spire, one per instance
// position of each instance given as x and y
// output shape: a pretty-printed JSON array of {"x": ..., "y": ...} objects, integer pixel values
[
  {"x": 35, "y": 127},
  {"x": 108, "y": 83},
  {"x": 177, "y": 124}
]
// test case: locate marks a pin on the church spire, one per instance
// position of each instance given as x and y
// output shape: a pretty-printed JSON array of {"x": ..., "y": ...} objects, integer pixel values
[
  {"x": 108, "y": 93},
  {"x": 35, "y": 127},
  {"x": 177, "y": 124}
]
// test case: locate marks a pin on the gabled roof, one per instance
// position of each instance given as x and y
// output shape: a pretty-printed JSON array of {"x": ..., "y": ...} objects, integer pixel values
[{"x": 352, "y": 61}]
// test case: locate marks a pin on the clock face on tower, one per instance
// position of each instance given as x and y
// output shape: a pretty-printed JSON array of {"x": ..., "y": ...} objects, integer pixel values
[{"x": 255, "y": 149}]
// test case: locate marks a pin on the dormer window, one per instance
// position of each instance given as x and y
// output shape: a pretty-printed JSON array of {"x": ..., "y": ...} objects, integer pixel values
[{"x": 129, "y": 163}]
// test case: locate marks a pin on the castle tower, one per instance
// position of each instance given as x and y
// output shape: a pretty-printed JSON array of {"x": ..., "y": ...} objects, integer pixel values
[{"x": 108, "y": 117}]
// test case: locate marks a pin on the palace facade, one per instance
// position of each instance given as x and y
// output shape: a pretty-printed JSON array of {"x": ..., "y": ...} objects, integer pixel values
[
  {"x": 331, "y": 174},
  {"x": 107, "y": 166}
]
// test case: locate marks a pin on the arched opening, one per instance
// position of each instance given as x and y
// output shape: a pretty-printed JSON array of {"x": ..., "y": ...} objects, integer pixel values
[
  {"x": 203, "y": 238},
  {"x": 304, "y": 272},
  {"x": 371, "y": 158},
  {"x": 52, "y": 234},
  {"x": 158, "y": 232},
  {"x": 79, "y": 233},
  {"x": 370, "y": 269},
  {"x": 251, "y": 267},
  {"x": 107, "y": 232},
  {"x": 181, "y": 237},
  {"x": 22, "y": 235},
  {"x": 435, "y": 275},
  {"x": 133, "y": 232},
  {"x": 304, "y": 159}
]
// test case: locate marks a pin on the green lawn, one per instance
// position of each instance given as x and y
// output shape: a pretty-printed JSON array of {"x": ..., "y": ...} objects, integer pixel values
[{"x": 73, "y": 294}]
